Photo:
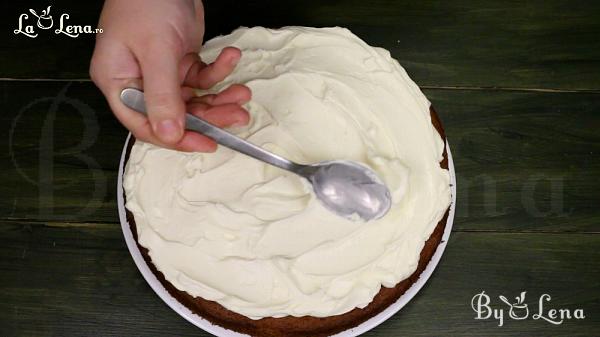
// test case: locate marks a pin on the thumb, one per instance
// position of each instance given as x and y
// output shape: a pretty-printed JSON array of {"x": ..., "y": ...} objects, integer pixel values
[{"x": 162, "y": 91}]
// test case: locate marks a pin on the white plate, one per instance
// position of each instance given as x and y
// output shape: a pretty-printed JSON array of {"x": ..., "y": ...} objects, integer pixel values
[{"x": 219, "y": 331}]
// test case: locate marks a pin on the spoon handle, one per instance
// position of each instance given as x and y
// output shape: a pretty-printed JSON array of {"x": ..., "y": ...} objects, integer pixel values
[
  {"x": 134, "y": 99},
  {"x": 236, "y": 143}
]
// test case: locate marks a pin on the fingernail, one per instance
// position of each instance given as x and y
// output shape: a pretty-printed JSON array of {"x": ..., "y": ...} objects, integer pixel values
[
  {"x": 234, "y": 61},
  {"x": 168, "y": 130}
]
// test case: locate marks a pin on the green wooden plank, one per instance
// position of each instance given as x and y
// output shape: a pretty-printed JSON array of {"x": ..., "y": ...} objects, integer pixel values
[
  {"x": 63, "y": 152},
  {"x": 524, "y": 161},
  {"x": 58, "y": 281},
  {"x": 537, "y": 44}
]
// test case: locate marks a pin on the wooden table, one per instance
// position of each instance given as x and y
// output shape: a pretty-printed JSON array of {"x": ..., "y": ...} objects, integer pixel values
[{"x": 516, "y": 84}]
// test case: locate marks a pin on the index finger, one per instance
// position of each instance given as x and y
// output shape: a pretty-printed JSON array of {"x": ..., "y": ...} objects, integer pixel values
[{"x": 204, "y": 77}]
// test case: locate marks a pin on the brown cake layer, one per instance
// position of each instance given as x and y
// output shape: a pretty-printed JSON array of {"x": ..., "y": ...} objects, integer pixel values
[{"x": 305, "y": 326}]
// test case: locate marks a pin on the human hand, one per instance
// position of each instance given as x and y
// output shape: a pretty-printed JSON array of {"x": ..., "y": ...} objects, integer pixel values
[{"x": 153, "y": 45}]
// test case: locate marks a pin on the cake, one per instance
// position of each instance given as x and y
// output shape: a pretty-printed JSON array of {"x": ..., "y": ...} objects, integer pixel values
[{"x": 246, "y": 245}]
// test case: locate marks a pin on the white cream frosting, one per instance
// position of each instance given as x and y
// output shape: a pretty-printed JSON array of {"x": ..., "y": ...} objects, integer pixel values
[{"x": 253, "y": 237}]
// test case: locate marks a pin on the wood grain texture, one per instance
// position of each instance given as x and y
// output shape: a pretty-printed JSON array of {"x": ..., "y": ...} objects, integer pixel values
[
  {"x": 63, "y": 152},
  {"x": 533, "y": 44},
  {"x": 524, "y": 161},
  {"x": 81, "y": 281}
]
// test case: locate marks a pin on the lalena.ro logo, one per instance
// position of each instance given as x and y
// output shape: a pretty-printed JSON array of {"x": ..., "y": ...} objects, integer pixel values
[
  {"x": 30, "y": 25},
  {"x": 519, "y": 310}
]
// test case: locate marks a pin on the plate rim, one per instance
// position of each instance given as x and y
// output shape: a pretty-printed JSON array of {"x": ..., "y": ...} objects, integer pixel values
[{"x": 217, "y": 330}]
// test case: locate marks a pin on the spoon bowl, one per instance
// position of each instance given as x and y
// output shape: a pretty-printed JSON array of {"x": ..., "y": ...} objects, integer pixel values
[{"x": 350, "y": 189}]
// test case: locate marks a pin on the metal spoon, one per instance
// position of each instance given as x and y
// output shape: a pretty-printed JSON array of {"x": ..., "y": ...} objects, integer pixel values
[{"x": 344, "y": 187}]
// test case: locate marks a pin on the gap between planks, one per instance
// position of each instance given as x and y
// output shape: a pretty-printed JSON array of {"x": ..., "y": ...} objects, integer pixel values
[
  {"x": 107, "y": 224},
  {"x": 428, "y": 87}
]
